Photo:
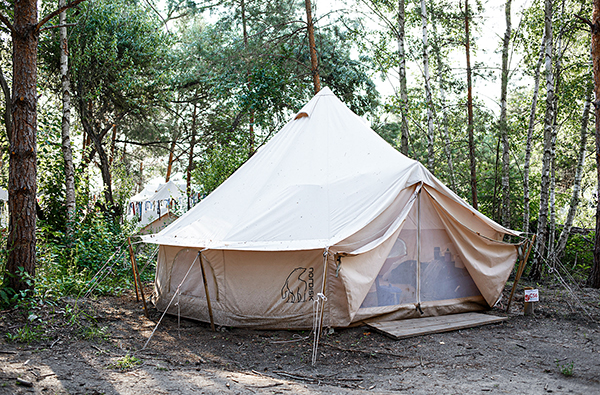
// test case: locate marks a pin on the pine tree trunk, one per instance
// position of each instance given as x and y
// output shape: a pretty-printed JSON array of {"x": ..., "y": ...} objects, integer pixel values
[
  {"x": 428, "y": 98},
  {"x": 528, "y": 143},
  {"x": 564, "y": 235},
  {"x": 190, "y": 167},
  {"x": 503, "y": 121},
  {"x": 402, "y": 74},
  {"x": 170, "y": 162},
  {"x": 536, "y": 272},
  {"x": 594, "y": 278},
  {"x": 472, "y": 160},
  {"x": 23, "y": 171},
  {"x": 312, "y": 48}
]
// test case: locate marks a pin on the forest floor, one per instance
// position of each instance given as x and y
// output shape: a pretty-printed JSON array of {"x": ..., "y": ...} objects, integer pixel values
[{"x": 93, "y": 349}]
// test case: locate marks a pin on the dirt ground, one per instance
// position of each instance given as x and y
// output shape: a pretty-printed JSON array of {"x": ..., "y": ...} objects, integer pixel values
[{"x": 95, "y": 350}]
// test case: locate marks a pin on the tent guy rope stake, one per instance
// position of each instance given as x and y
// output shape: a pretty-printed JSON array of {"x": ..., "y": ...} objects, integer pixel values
[{"x": 319, "y": 309}]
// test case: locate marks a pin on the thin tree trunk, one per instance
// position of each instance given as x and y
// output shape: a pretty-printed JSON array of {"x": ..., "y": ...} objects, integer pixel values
[
  {"x": 7, "y": 105},
  {"x": 170, "y": 163},
  {"x": 113, "y": 143},
  {"x": 251, "y": 127},
  {"x": 188, "y": 188},
  {"x": 594, "y": 278},
  {"x": 564, "y": 235},
  {"x": 66, "y": 122},
  {"x": 552, "y": 202},
  {"x": 472, "y": 160},
  {"x": 428, "y": 99},
  {"x": 528, "y": 143},
  {"x": 503, "y": 120},
  {"x": 312, "y": 48},
  {"x": 536, "y": 272},
  {"x": 402, "y": 74},
  {"x": 447, "y": 143},
  {"x": 23, "y": 171}
]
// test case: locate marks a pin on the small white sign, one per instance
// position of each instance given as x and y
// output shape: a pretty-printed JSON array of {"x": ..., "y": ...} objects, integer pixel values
[{"x": 532, "y": 295}]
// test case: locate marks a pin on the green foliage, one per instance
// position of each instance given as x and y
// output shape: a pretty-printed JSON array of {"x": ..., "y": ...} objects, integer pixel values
[
  {"x": 30, "y": 333},
  {"x": 565, "y": 369},
  {"x": 125, "y": 363}
]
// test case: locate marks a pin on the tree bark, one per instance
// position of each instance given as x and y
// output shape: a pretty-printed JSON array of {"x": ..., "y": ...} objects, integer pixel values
[
  {"x": 23, "y": 171},
  {"x": 312, "y": 48},
  {"x": 564, "y": 235},
  {"x": 472, "y": 160},
  {"x": 7, "y": 106},
  {"x": 190, "y": 167},
  {"x": 428, "y": 99},
  {"x": 66, "y": 123},
  {"x": 503, "y": 120},
  {"x": 536, "y": 272},
  {"x": 528, "y": 143},
  {"x": 170, "y": 163},
  {"x": 594, "y": 278},
  {"x": 402, "y": 74}
]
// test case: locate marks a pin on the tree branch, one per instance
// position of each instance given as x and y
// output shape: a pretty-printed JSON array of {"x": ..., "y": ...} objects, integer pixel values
[
  {"x": 584, "y": 20},
  {"x": 57, "y": 26},
  {"x": 56, "y": 12},
  {"x": 5, "y": 20}
]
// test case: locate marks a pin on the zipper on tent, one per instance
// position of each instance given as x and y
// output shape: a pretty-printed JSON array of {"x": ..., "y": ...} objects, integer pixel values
[{"x": 418, "y": 305}]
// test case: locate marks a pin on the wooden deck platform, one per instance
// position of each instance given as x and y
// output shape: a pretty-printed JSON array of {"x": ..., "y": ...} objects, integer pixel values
[{"x": 402, "y": 329}]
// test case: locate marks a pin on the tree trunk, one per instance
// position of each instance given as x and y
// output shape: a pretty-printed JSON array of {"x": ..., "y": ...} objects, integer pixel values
[
  {"x": 251, "y": 126},
  {"x": 402, "y": 74},
  {"x": 66, "y": 122},
  {"x": 188, "y": 188},
  {"x": 7, "y": 106},
  {"x": 594, "y": 278},
  {"x": 312, "y": 48},
  {"x": 564, "y": 235},
  {"x": 113, "y": 143},
  {"x": 473, "y": 163},
  {"x": 23, "y": 171},
  {"x": 170, "y": 163},
  {"x": 503, "y": 121},
  {"x": 428, "y": 99},
  {"x": 536, "y": 272},
  {"x": 447, "y": 143},
  {"x": 526, "y": 165}
]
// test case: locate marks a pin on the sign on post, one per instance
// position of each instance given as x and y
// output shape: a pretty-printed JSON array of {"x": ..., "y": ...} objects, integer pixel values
[{"x": 532, "y": 295}]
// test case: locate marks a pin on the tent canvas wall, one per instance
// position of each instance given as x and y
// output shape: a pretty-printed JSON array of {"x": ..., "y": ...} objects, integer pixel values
[{"x": 327, "y": 206}]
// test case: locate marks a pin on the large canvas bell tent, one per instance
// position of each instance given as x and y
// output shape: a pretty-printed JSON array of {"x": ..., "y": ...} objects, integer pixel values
[{"x": 328, "y": 207}]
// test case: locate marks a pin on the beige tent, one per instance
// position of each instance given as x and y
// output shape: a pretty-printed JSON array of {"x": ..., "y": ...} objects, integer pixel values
[{"x": 328, "y": 207}]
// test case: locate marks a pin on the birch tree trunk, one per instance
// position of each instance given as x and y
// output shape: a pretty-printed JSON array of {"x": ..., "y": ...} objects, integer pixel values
[
  {"x": 473, "y": 163},
  {"x": 564, "y": 235},
  {"x": 503, "y": 121},
  {"x": 445, "y": 129},
  {"x": 536, "y": 272},
  {"x": 528, "y": 143},
  {"x": 66, "y": 122},
  {"x": 428, "y": 99},
  {"x": 402, "y": 74}
]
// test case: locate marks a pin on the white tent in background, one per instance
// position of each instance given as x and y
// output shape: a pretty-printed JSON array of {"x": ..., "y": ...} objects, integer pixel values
[
  {"x": 327, "y": 206},
  {"x": 155, "y": 201}
]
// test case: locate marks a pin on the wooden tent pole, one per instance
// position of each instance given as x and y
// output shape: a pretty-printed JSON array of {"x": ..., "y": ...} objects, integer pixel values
[
  {"x": 137, "y": 296},
  {"x": 137, "y": 278},
  {"x": 210, "y": 313},
  {"x": 325, "y": 266},
  {"x": 520, "y": 272}
]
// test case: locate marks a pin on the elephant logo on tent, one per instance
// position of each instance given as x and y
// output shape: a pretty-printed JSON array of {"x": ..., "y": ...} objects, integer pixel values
[{"x": 295, "y": 287}]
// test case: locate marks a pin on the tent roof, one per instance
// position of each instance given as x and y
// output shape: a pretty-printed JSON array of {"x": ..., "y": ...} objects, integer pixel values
[{"x": 323, "y": 178}]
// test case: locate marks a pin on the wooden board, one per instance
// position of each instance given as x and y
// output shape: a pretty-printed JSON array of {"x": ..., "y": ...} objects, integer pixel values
[{"x": 402, "y": 329}]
